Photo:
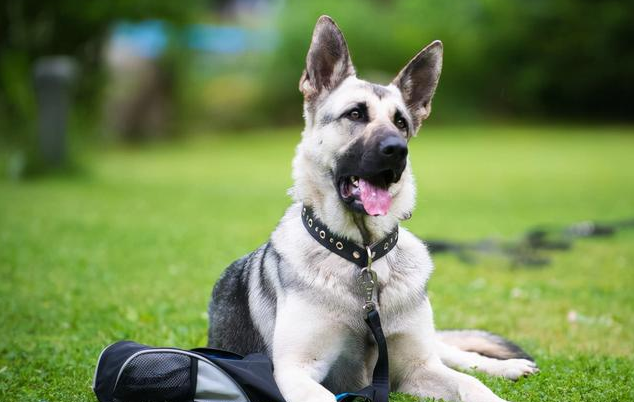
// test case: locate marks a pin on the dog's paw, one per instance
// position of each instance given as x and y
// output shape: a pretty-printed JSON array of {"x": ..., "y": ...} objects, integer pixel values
[
  {"x": 512, "y": 368},
  {"x": 308, "y": 394},
  {"x": 314, "y": 397}
]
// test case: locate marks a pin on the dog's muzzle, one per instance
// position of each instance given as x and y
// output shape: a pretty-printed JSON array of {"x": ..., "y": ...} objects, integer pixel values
[{"x": 366, "y": 170}]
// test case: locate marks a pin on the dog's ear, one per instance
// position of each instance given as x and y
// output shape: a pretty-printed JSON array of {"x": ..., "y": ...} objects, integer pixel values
[
  {"x": 418, "y": 80},
  {"x": 328, "y": 61}
]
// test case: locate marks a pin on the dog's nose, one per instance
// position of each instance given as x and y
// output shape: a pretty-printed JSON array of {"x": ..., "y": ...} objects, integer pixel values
[{"x": 393, "y": 148}]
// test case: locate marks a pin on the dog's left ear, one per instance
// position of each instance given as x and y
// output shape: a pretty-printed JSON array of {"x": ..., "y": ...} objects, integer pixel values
[
  {"x": 418, "y": 80},
  {"x": 328, "y": 61}
]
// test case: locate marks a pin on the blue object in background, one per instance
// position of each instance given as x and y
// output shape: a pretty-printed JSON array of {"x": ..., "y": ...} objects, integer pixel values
[
  {"x": 149, "y": 39},
  {"x": 228, "y": 39},
  {"x": 146, "y": 39}
]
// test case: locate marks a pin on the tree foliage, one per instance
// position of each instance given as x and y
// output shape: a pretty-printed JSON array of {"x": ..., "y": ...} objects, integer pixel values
[
  {"x": 544, "y": 58},
  {"x": 30, "y": 29}
]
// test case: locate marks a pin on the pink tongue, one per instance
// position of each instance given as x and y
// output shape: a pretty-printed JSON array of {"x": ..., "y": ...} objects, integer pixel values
[{"x": 375, "y": 200}]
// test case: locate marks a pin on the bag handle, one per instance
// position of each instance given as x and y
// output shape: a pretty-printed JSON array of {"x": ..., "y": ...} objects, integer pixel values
[{"x": 217, "y": 353}]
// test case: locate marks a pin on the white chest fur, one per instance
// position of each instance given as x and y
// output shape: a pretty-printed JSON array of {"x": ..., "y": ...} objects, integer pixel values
[{"x": 331, "y": 281}]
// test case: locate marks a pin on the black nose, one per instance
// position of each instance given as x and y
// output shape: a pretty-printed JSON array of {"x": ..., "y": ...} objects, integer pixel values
[{"x": 393, "y": 148}]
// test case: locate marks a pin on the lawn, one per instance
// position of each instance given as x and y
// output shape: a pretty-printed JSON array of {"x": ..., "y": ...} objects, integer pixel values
[{"x": 131, "y": 247}]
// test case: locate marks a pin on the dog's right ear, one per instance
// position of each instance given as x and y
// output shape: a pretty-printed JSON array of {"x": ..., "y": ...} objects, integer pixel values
[{"x": 328, "y": 61}]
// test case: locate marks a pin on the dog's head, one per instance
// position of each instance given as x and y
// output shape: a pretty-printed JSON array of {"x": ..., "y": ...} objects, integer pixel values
[{"x": 355, "y": 143}]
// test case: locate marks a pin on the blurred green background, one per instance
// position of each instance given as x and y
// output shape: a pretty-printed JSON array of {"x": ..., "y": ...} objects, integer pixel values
[
  {"x": 144, "y": 145},
  {"x": 146, "y": 69}
]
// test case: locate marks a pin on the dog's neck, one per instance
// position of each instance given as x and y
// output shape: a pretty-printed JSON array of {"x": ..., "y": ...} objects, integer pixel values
[
  {"x": 359, "y": 228},
  {"x": 363, "y": 229}
]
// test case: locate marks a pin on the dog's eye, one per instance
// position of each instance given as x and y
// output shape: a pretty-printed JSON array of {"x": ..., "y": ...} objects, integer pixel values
[
  {"x": 355, "y": 115},
  {"x": 400, "y": 122}
]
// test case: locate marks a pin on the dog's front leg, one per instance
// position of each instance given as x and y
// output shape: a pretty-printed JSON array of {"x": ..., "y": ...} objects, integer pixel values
[
  {"x": 417, "y": 369},
  {"x": 305, "y": 345}
]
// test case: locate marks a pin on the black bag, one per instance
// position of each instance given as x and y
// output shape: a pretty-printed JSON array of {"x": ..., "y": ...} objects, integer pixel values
[{"x": 130, "y": 372}]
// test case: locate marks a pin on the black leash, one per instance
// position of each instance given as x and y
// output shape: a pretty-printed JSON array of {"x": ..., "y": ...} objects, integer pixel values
[
  {"x": 381, "y": 373},
  {"x": 363, "y": 258},
  {"x": 529, "y": 249}
]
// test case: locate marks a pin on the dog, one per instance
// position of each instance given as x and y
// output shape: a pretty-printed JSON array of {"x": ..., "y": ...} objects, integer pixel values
[{"x": 298, "y": 302}]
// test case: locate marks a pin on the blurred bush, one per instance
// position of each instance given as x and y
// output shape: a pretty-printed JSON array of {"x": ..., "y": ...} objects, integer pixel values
[
  {"x": 561, "y": 59},
  {"x": 31, "y": 30},
  {"x": 541, "y": 58}
]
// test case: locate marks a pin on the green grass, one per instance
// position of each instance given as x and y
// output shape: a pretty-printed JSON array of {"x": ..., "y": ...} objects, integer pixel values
[{"x": 131, "y": 249}]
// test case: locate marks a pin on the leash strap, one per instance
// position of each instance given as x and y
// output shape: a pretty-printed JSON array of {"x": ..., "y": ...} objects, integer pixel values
[
  {"x": 380, "y": 388},
  {"x": 380, "y": 376}
]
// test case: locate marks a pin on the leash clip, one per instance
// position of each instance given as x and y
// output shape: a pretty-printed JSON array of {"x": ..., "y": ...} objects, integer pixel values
[{"x": 367, "y": 283}]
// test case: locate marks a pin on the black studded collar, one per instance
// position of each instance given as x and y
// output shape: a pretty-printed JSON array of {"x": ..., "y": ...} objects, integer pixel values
[{"x": 345, "y": 248}]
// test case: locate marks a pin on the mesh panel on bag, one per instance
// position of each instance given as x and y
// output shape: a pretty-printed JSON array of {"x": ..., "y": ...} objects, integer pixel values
[{"x": 158, "y": 376}]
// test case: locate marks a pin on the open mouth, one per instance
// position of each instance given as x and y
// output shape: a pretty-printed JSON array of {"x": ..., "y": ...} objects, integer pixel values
[{"x": 369, "y": 195}]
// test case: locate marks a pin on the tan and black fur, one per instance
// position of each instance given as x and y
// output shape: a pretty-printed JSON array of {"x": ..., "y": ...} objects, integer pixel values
[{"x": 299, "y": 303}]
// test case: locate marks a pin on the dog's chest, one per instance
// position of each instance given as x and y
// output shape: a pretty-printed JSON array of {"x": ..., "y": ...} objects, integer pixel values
[
  {"x": 332, "y": 282},
  {"x": 400, "y": 293},
  {"x": 323, "y": 276},
  {"x": 401, "y": 290},
  {"x": 399, "y": 284}
]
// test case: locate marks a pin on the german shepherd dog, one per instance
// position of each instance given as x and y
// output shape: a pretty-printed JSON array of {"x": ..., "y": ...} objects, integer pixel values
[{"x": 298, "y": 302}]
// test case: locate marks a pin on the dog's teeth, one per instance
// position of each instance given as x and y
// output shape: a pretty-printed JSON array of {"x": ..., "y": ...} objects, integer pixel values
[{"x": 354, "y": 180}]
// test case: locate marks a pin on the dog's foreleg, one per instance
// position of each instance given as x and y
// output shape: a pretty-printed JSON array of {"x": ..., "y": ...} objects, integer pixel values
[
  {"x": 305, "y": 345},
  {"x": 463, "y": 360},
  {"x": 417, "y": 369}
]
